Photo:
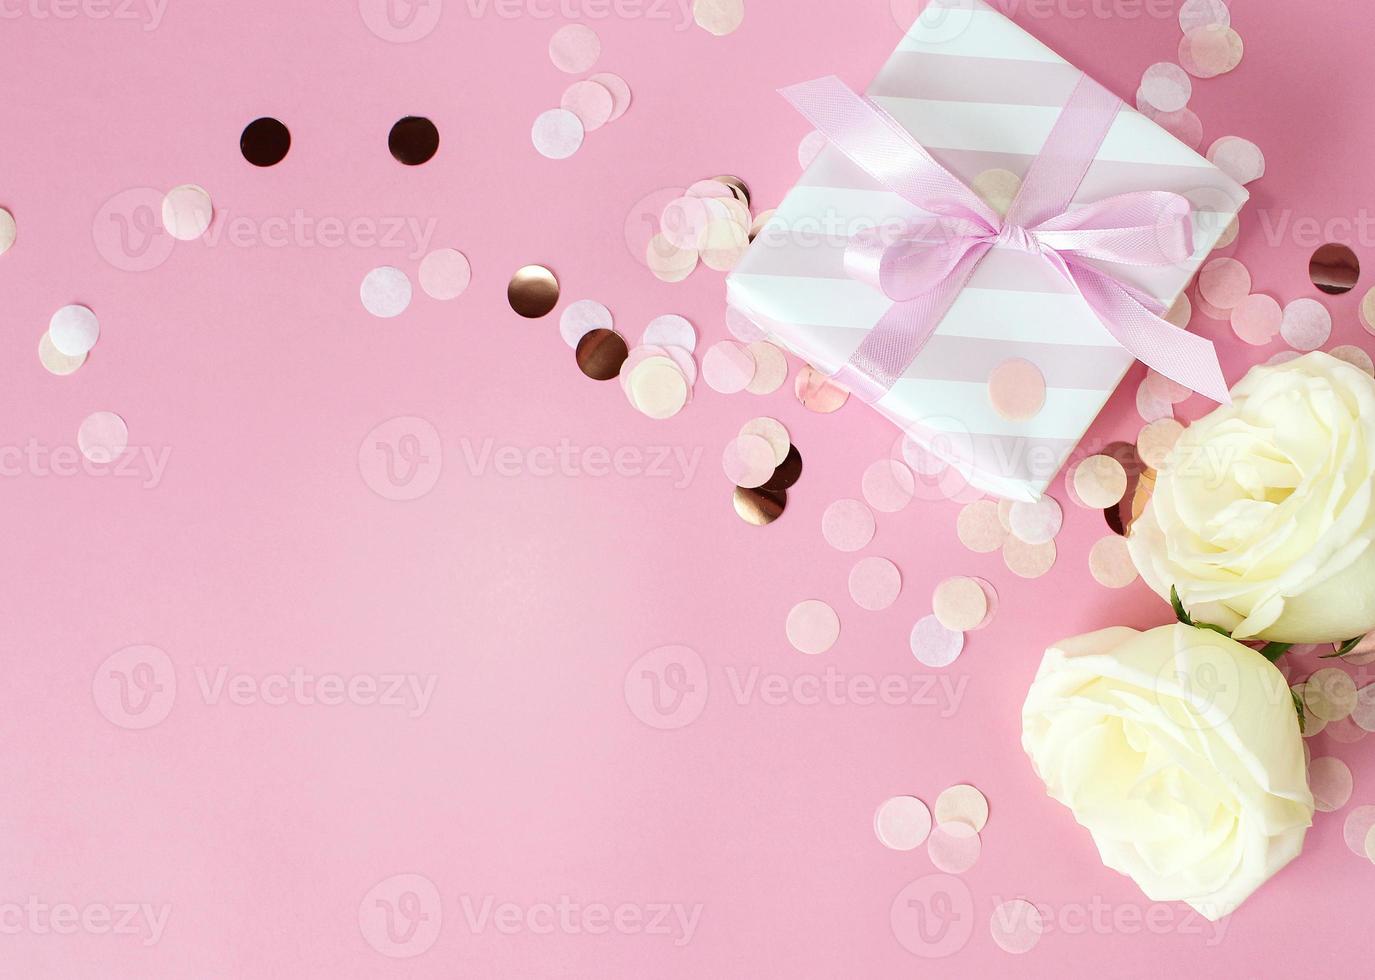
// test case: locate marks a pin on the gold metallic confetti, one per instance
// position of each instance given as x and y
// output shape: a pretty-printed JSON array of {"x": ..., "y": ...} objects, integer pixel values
[
  {"x": 1334, "y": 269},
  {"x": 533, "y": 291},
  {"x": 759, "y": 506},
  {"x": 737, "y": 187},
  {"x": 601, "y": 353},
  {"x": 788, "y": 472},
  {"x": 818, "y": 393}
]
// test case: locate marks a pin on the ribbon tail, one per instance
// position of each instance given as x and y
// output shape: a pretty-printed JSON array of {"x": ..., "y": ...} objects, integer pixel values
[{"x": 1181, "y": 356}]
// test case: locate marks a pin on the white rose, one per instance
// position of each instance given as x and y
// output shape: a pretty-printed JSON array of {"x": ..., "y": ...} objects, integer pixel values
[
  {"x": 1179, "y": 749},
  {"x": 1263, "y": 516}
]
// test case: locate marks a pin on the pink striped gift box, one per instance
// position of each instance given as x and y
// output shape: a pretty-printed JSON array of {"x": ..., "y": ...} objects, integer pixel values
[{"x": 980, "y": 94}]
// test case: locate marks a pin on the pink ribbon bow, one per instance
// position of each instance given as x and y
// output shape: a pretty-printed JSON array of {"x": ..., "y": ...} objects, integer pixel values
[{"x": 925, "y": 266}]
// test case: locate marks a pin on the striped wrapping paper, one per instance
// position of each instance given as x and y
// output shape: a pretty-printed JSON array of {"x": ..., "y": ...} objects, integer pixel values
[{"x": 979, "y": 93}]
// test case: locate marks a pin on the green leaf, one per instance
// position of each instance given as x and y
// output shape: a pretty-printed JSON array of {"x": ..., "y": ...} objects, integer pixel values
[
  {"x": 1273, "y": 651},
  {"x": 1180, "y": 612},
  {"x": 1298, "y": 706},
  {"x": 1345, "y": 649}
]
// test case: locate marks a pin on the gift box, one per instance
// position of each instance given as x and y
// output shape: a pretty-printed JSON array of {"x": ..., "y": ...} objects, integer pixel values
[{"x": 985, "y": 100}]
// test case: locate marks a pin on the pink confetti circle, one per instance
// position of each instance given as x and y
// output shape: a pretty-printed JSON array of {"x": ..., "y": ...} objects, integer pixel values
[
  {"x": 1330, "y": 780},
  {"x": 102, "y": 437},
  {"x": 875, "y": 583},
  {"x": 1257, "y": 319},
  {"x": 748, "y": 461},
  {"x": 954, "y": 847},
  {"x": 979, "y": 528},
  {"x": 1017, "y": 390},
  {"x": 1201, "y": 13},
  {"x": 557, "y": 134},
  {"x": 1017, "y": 926},
  {"x": 933, "y": 645},
  {"x": 684, "y": 221},
  {"x": 991, "y": 600},
  {"x": 1224, "y": 283},
  {"x": 574, "y": 48},
  {"x": 1037, "y": 523},
  {"x": 1183, "y": 125},
  {"x": 671, "y": 330},
  {"x": 888, "y": 486},
  {"x": 590, "y": 102},
  {"x": 580, "y": 319},
  {"x": 1166, "y": 86},
  {"x": 742, "y": 328},
  {"x": 1306, "y": 325},
  {"x": 902, "y": 823},
  {"x": 1238, "y": 158},
  {"x": 728, "y": 367},
  {"x": 847, "y": 525},
  {"x": 813, "y": 627},
  {"x": 445, "y": 274},
  {"x": 620, "y": 92},
  {"x": 1357, "y": 828},
  {"x": 1364, "y": 712}
]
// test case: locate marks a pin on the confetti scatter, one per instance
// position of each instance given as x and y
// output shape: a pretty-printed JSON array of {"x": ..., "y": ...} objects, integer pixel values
[
  {"x": 574, "y": 48},
  {"x": 74, "y": 330},
  {"x": 620, "y": 93},
  {"x": 187, "y": 212},
  {"x": 770, "y": 368},
  {"x": 1202, "y": 13},
  {"x": 445, "y": 274},
  {"x": 817, "y": 393},
  {"x": 533, "y": 291},
  {"x": 813, "y": 627},
  {"x": 1017, "y": 390},
  {"x": 875, "y": 583},
  {"x": 759, "y": 507},
  {"x": 413, "y": 140},
  {"x": 1257, "y": 319},
  {"x": 591, "y": 102},
  {"x": 954, "y": 847},
  {"x": 1028, "y": 560},
  {"x": 1330, "y": 694},
  {"x": 8, "y": 231},
  {"x": 749, "y": 461},
  {"x": 1354, "y": 356},
  {"x": 979, "y": 527},
  {"x": 1110, "y": 562},
  {"x": 54, "y": 361},
  {"x": 265, "y": 142},
  {"x": 1036, "y": 523},
  {"x": 1358, "y": 826},
  {"x": 1183, "y": 125},
  {"x": 601, "y": 354},
  {"x": 962, "y": 804},
  {"x": 1363, "y": 714},
  {"x": 581, "y": 318},
  {"x": 1157, "y": 440},
  {"x": 933, "y": 645},
  {"x": 385, "y": 292},
  {"x": 557, "y": 133},
  {"x": 888, "y": 486},
  {"x": 1335, "y": 269},
  {"x": 1238, "y": 158},
  {"x": 848, "y": 525},
  {"x": 709, "y": 222},
  {"x": 959, "y": 604},
  {"x": 902, "y": 823},
  {"x": 728, "y": 367},
  {"x": 998, "y": 188},
  {"x": 658, "y": 388},
  {"x": 1330, "y": 780},
  {"x": 670, "y": 330},
  {"x": 1016, "y": 926},
  {"x": 1368, "y": 312},
  {"x": 1306, "y": 325},
  {"x": 718, "y": 17},
  {"x": 1210, "y": 50},
  {"x": 102, "y": 437},
  {"x": 1224, "y": 283},
  {"x": 1166, "y": 86},
  {"x": 1099, "y": 481}
]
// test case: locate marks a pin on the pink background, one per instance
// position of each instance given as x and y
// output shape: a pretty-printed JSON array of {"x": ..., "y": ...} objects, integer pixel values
[{"x": 530, "y": 597}]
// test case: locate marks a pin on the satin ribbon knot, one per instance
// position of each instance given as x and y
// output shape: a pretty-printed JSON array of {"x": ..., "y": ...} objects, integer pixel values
[{"x": 924, "y": 265}]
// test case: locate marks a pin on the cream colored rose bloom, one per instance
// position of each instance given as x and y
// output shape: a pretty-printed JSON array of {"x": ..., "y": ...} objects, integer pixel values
[
  {"x": 1179, "y": 750},
  {"x": 1263, "y": 516}
]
